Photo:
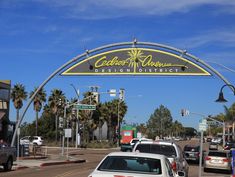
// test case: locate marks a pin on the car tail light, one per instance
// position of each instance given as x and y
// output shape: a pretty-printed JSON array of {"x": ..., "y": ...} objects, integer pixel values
[
  {"x": 173, "y": 165},
  {"x": 198, "y": 154},
  {"x": 226, "y": 148},
  {"x": 226, "y": 160},
  {"x": 207, "y": 158}
]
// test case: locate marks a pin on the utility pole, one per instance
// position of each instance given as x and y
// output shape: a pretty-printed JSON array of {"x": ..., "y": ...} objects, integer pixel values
[{"x": 121, "y": 99}]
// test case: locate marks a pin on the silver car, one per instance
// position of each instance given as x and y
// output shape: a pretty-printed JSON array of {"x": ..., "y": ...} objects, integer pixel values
[
  {"x": 219, "y": 160},
  {"x": 170, "y": 149}
]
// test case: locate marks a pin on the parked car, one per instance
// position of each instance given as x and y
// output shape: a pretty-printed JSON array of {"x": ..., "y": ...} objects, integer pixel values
[
  {"x": 134, "y": 164},
  {"x": 170, "y": 149},
  {"x": 229, "y": 145},
  {"x": 7, "y": 156},
  {"x": 217, "y": 140},
  {"x": 35, "y": 140},
  {"x": 192, "y": 153},
  {"x": 208, "y": 139},
  {"x": 129, "y": 147},
  {"x": 25, "y": 140},
  {"x": 219, "y": 160},
  {"x": 213, "y": 146}
]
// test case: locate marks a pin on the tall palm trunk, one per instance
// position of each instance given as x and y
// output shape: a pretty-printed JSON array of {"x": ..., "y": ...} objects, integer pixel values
[
  {"x": 36, "y": 123},
  {"x": 56, "y": 127},
  {"x": 109, "y": 130},
  {"x": 100, "y": 131},
  {"x": 17, "y": 122},
  {"x": 17, "y": 115}
]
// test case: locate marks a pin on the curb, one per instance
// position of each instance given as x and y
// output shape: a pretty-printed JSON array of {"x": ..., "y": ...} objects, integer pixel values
[
  {"x": 60, "y": 163},
  {"x": 19, "y": 168}
]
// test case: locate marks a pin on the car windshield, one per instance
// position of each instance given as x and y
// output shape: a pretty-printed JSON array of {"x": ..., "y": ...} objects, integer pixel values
[
  {"x": 217, "y": 154},
  {"x": 131, "y": 165},
  {"x": 167, "y": 150},
  {"x": 135, "y": 141},
  {"x": 191, "y": 148}
]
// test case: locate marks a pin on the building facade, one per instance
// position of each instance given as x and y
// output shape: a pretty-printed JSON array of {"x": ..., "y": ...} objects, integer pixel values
[{"x": 5, "y": 89}]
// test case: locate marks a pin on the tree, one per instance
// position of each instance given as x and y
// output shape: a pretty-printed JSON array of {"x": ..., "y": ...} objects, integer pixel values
[
  {"x": 230, "y": 113},
  {"x": 56, "y": 102},
  {"x": 159, "y": 123},
  {"x": 189, "y": 131},
  {"x": 142, "y": 129},
  {"x": 177, "y": 128},
  {"x": 109, "y": 112},
  {"x": 18, "y": 95},
  {"x": 39, "y": 98}
]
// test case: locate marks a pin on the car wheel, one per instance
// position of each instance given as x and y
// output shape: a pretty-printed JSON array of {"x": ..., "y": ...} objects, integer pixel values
[
  {"x": 8, "y": 166},
  {"x": 205, "y": 170}
]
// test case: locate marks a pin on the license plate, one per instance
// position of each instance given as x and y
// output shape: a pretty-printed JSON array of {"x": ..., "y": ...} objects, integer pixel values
[
  {"x": 191, "y": 155},
  {"x": 216, "y": 161}
]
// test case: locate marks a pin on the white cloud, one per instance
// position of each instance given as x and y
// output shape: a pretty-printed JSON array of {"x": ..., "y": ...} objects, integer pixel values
[
  {"x": 215, "y": 37},
  {"x": 99, "y": 9}
]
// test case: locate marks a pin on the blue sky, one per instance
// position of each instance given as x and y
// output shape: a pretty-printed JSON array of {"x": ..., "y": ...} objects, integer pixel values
[{"x": 38, "y": 36}]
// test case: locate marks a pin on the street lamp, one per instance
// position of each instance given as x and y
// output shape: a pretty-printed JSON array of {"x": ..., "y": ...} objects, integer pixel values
[{"x": 221, "y": 98}]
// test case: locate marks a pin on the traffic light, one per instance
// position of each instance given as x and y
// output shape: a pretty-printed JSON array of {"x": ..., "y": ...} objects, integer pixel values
[
  {"x": 69, "y": 124},
  {"x": 184, "y": 112},
  {"x": 61, "y": 122},
  {"x": 121, "y": 94}
]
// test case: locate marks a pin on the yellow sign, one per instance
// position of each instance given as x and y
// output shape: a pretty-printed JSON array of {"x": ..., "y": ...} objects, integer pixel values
[{"x": 136, "y": 61}]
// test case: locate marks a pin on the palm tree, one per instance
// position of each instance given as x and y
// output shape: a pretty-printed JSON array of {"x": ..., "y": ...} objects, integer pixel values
[
  {"x": 110, "y": 114},
  {"x": 57, "y": 101},
  {"x": 230, "y": 113},
  {"x": 18, "y": 94},
  {"x": 37, "y": 103},
  {"x": 86, "y": 117}
]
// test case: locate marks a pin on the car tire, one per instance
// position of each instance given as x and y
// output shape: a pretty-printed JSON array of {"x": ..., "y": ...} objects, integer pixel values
[
  {"x": 8, "y": 166},
  {"x": 35, "y": 144},
  {"x": 205, "y": 169}
]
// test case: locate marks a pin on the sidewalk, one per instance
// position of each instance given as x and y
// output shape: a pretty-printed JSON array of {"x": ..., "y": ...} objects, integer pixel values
[{"x": 40, "y": 161}]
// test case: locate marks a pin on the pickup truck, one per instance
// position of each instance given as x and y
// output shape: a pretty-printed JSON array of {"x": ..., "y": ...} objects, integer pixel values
[{"x": 7, "y": 156}]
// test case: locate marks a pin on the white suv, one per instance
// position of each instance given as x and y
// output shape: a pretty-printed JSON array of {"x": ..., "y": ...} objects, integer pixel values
[
  {"x": 35, "y": 140},
  {"x": 170, "y": 149}
]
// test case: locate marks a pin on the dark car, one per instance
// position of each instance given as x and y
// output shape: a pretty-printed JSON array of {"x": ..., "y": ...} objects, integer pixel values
[
  {"x": 208, "y": 139},
  {"x": 192, "y": 153},
  {"x": 229, "y": 145}
]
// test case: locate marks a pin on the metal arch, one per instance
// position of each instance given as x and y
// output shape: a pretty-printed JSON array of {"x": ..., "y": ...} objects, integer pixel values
[{"x": 135, "y": 43}]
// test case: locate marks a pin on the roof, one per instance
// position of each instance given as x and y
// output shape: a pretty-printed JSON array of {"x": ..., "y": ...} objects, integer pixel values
[
  {"x": 137, "y": 154},
  {"x": 158, "y": 142}
]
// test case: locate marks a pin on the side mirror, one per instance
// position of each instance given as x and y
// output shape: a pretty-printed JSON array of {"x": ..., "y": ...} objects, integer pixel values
[{"x": 180, "y": 174}]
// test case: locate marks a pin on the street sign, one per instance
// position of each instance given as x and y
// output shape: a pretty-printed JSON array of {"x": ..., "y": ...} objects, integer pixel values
[
  {"x": 85, "y": 107},
  {"x": 112, "y": 92},
  {"x": 202, "y": 127},
  {"x": 212, "y": 123},
  {"x": 68, "y": 133}
]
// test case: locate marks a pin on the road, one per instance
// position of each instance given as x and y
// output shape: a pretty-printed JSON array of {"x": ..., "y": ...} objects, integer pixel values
[{"x": 93, "y": 157}]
